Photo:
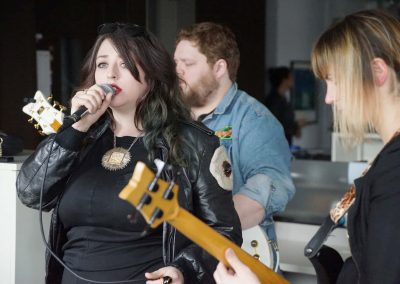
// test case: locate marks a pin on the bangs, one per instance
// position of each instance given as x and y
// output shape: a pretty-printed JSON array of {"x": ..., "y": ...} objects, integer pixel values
[
  {"x": 321, "y": 60},
  {"x": 127, "y": 49}
]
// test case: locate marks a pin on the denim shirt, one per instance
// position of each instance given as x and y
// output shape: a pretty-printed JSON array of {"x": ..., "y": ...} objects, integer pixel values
[{"x": 258, "y": 150}]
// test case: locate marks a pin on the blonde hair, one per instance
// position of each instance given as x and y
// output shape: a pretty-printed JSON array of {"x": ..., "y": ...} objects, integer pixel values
[{"x": 346, "y": 51}]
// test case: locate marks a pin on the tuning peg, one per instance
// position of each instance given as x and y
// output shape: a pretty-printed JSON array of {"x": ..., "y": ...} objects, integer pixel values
[
  {"x": 41, "y": 133},
  {"x": 37, "y": 126},
  {"x": 62, "y": 108},
  {"x": 168, "y": 194},
  {"x": 146, "y": 199},
  {"x": 153, "y": 185},
  {"x": 158, "y": 213},
  {"x": 49, "y": 98},
  {"x": 56, "y": 104},
  {"x": 145, "y": 230},
  {"x": 30, "y": 120}
]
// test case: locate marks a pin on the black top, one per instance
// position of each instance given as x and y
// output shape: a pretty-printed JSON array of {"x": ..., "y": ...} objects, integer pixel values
[
  {"x": 199, "y": 194},
  {"x": 100, "y": 236},
  {"x": 374, "y": 224}
]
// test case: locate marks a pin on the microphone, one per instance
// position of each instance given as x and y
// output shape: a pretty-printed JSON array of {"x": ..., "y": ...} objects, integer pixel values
[
  {"x": 82, "y": 110},
  {"x": 107, "y": 88}
]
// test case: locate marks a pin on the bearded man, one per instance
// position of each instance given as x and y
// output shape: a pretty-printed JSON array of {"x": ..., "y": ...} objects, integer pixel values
[{"x": 207, "y": 60}]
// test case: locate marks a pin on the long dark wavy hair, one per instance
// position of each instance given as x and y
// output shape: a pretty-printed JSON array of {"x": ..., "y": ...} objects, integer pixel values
[{"x": 160, "y": 111}]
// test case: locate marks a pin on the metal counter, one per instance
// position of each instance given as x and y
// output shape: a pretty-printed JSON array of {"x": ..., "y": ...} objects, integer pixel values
[{"x": 319, "y": 185}]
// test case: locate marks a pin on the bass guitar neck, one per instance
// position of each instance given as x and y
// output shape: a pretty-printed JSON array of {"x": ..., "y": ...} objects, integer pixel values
[
  {"x": 157, "y": 201},
  {"x": 216, "y": 244}
]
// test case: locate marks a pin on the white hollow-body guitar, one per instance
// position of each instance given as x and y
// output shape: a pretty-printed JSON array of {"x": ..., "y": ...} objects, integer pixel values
[
  {"x": 257, "y": 244},
  {"x": 48, "y": 118}
]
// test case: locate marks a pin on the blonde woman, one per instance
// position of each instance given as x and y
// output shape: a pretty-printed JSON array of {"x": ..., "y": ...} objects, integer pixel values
[{"x": 359, "y": 59}]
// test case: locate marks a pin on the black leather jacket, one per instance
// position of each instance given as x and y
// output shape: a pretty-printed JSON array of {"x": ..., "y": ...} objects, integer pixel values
[{"x": 199, "y": 193}]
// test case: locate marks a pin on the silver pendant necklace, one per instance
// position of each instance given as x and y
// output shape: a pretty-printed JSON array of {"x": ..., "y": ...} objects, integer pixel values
[{"x": 117, "y": 158}]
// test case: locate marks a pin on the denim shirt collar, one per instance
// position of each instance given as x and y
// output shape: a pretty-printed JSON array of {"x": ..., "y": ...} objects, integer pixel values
[{"x": 227, "y": 99}]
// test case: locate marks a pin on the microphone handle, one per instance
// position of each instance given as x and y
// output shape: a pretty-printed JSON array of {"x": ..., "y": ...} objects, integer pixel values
[
  {"x": 71, "y": 119},
  {"x": 81, "y": 112}
]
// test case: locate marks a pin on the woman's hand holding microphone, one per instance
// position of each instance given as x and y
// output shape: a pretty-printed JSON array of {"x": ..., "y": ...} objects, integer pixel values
[{"x": 96, "y": 100}]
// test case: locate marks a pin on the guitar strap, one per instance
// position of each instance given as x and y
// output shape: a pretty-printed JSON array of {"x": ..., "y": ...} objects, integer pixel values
[
  {"x": 331, "y": 222},
  {"x": 315, "y": 244},
  {"x": 327, "y": 261}
]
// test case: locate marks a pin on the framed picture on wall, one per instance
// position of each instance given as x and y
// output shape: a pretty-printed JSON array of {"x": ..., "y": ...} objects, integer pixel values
[{"x": 303, "y": 95}]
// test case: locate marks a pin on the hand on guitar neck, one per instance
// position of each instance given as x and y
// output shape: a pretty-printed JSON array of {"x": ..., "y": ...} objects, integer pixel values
[
  {"x": 239, "y": 275},
  {"x": 159, "y": 203}
]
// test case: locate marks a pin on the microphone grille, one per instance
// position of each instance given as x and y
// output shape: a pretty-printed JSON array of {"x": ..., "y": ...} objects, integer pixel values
[{"x": 107, "y": 88}]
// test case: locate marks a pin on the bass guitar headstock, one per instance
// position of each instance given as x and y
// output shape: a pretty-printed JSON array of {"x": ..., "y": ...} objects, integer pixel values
[
  {"x": 155, "y": 198},
  {"x": 157, "y": 201}
]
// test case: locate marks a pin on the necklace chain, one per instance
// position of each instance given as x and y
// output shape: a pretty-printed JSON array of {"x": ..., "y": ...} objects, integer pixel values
[
  {"x": 117, "y": 158},
  {"x": 133, "y": 143}
]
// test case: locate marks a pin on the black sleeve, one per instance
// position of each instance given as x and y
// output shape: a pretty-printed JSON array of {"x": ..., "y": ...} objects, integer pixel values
[
  {"x": 52, "y": 160},
  {"x": 214, "y": 206},
  {"x": 382, "y": 263}
]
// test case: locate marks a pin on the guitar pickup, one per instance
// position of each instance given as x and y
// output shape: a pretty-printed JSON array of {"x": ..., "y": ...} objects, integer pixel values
[{"x": 40, "y": 110}]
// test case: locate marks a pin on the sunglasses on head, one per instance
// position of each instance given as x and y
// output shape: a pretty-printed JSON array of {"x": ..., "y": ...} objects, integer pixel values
[{"x": 131, "y": 29}]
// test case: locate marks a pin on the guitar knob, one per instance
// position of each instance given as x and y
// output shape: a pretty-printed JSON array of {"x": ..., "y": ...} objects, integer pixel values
[
  {"x": 256, "y": 256},
  {"x": 30, "y": 120},
  {"x": 254, "y": 244},
  {"x": 36, "y": 126}
]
